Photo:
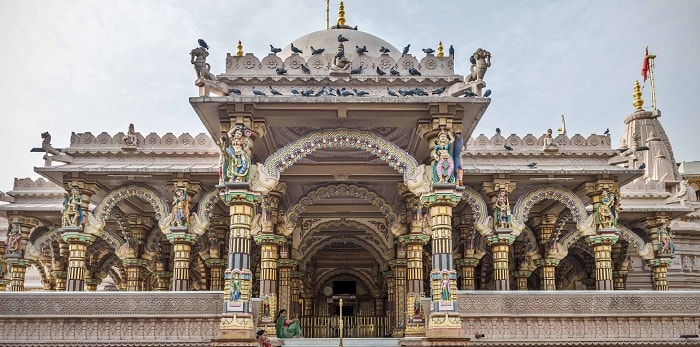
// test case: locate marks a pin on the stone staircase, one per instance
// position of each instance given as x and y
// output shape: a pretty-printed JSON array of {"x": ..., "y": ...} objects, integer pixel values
[{"x": 368, "y": 342}]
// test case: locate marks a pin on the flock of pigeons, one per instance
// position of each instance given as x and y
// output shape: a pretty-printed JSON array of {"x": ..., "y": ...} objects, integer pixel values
[{"x": 326, "y": 90}]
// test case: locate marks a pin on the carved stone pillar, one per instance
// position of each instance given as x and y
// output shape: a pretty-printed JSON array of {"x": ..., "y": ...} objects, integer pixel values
[
  {"x": 91, "y": 284},
  {"x": 500, "y": 249},
  {"x": 521, "y": 278},
  {"x": 14, "y": 250},
  {"x": 284, "y": 295},
  {"x": 78, "y": 243},
  {"x": 399, "y": 268},
  {"x": 268, "y": 273},
  {"x": 661, "y": 239},
  {"x": 620, "y": 267},
  {"x": 544, "y": 225},
  {"x": 466, "y": 268},
  {"x": 604, "y": 198},
  {"x": 135, "y": 269},
  {"x": 602, "y": 249},
  {"x": 182, "y": 249},
  {"x": 18, "y": 268},
  {"x": 216, "y": 273},
  {"x": 414, "y": 243},
  {"x": 3, "y": 266},
  {"x": 391, "y": 304}
]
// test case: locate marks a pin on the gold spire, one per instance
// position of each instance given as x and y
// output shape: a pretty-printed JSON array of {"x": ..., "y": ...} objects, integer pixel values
[
  {"x": 239, "y": 49},
  {"x": 440, "y": 53},
  {"x": 341, "y": 15},
  {"x": 638, "y": 102}
]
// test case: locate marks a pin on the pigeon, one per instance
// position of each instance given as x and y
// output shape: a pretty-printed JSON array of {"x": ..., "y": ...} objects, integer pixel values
[
  {"x": 356, "y": 70},
  {"x": 380, "y": 72},
  {"x": 420, "y": 92},
  {"x": 360, "y": 92},
  {"x": 258, "y": 92},
  {"x": 328, "y": 90},
  {"x": 316, "y": 51},
  {"x": 472, "y": 60},
  {"x": 607, "y": 131},
  {"x": 305, "y": 69},
  {"x": 439, "y": 91},
  {"x": 413, "y": 71},
  {"x": 274, "y": 91},
  {"x": 468, "y": 93},
  {"x": 508, "y": 148},
  {"x": 498, "y": 131},
  {"x": 405, "y": 92},
  {"x": 355, "y": 28},
  {"x": 294, "y": 91},
  {"x": 281, "y": 71},
  {"x": 487, "y": 93},
  {"x": 345, "y": 92},
  {"x": 361, "y": 50},
  {"x": 318, "y": 93},
  {"x": 532, "y": 165},
  {"x": 234, "y": 91},
  {"x": 342, "y": 38},
  {"x": 428, "y": 50},
  {"x": 391, "y": 92},
  {"x": 384, "y": 50},
  {"x": 307, "y": 92},
  {"x": 274, "y": 49},
  {"x": 405, "y": 50},
  {"x": 203, "y": 44},
  {"x": 451, "y": 51},
  {"x": 394, "y": 72},
  {"x": 296, "y": 50},
  {"x": 643, "y": 166}
]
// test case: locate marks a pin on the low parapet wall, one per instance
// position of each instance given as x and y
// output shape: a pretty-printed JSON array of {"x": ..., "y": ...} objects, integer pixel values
[
  {"x": 109, "y": 318},
  {"x": 581, "y": 318}
]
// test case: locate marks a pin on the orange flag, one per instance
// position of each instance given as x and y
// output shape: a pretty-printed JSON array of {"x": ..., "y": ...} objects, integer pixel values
[{"x": 645, "y": 65}]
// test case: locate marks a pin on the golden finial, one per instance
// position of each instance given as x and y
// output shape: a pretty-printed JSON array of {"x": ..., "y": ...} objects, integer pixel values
[
  {"x": 239, "y": 49},
  {"x": 341, "y": 15},
  {"x": 638, "y": 102},
  {"x": 440, "y": 53}
]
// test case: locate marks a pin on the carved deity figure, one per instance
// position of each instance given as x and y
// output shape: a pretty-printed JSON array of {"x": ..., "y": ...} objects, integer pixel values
[
  {"x": 480, "y": 61},
  {"x": 198, "y": 58},
  {"x": 235, "y": 154},
  {"x": 130, "y": 139},
  {"x": 445, "y": 287},
  {"x": 266, "y": 306},
  {"x": 236, "y": 287},
  {"x": 416, "y": 305},
  {"x": 607, "y": 210},
  {"x": 181, "y": 208},
  {"x": 666, "y": 245},
  {"x": 340, "y": 62},
  {"x": 443, "y": 163},
  {"x": 72, "y": 209},
  {"x": 14, "y": 240},
  {"x": 548, "y": 141},
  {"x": 501, "y": 210}
]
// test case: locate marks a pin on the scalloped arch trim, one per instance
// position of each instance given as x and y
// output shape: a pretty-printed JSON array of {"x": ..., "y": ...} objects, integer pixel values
[
  {"x": 550, "y": 192},
  {"x": 143, "y": 192}
]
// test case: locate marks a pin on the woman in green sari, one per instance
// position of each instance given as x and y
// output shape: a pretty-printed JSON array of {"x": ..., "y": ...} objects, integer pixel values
[{"x": 287, "y": 328}]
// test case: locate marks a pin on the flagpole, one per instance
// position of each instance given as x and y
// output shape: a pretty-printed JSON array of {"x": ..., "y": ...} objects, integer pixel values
[{"x": 650, "y": 58}]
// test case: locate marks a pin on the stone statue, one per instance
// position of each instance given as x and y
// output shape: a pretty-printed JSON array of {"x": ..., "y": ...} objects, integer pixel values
[
  {"x": 130, "y": 139},
  {"x": 236, "y": 287},
  {"x": 548, "y": 141},
  {"x": 445, "y": 287},
  {"x": 235, "y": 154},
  {"x": 416, "y": 305},
  {"x": 46, "y": 145},
  {"x": 198, "y": 58},
  {"x": 72, "y": 209},
  {"x": 666, "y": 245},
  {"x": 340, "y": 62},
  {"x": 480, "y": 60},
  {"x": 14, "y": 240},
  {"x": 501, "y": 211},
  {"x": 607, "y": 210},
  {"x": 443, "y": 163},
  {"x": 181, "y": 208}
]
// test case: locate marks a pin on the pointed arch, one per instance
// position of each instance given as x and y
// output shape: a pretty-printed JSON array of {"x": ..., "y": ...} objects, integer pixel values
[
  {"x": 343, "y": 190},
  {"x": 388, "y": 152}
]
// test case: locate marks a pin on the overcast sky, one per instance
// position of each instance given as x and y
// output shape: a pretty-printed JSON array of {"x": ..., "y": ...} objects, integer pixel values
[{"x": 99, "y": 65}]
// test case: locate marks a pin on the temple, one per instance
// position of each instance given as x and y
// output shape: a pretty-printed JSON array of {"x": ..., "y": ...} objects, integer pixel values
[{"x": 340, "y": 180}]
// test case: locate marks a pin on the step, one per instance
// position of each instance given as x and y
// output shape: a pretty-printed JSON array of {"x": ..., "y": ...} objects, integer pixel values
[{"x": 308, "y": 342}]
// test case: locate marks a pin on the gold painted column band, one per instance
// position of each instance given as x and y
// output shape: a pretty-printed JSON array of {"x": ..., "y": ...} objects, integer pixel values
[
  {"x": 659, "y": 269},
  {"x": 466, "y": 268},
  {"x": 602, "y": 251},
  {"x": 18, "y": 268},
  {"x": 547, "y": 269},
  {"x": 182, "y": 247},
  {"x": 77, "y": 250}
]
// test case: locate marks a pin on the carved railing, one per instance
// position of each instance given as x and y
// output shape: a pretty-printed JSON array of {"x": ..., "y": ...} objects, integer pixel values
[
  {"x": 581, "y": 318},
  {"x": 353, "y": 327},
  {"x": 103, "y": 318}
]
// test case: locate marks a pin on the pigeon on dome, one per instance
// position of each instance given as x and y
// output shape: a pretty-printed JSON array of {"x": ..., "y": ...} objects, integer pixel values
[
  {"x": 428, "y": 50},
  {"x": 413, "y": 71},
  {"x": 361, "y": 50},
  {"x": 305, "y": 69},
  {"x": 356, "y": 70},
  {"x": 487, "y": 93},
  {"x": 316, "y": 51},
  {"x": 296, "y": 50},
  {"x": 394, "y": 72},
  {"x": 281, "y": 71},
  {"x": 274, "y": 49},
  {"x": 342, "y": 38},
  {"x": 380, "y": 72},
  {"x": 384, "y": 50},
  {"x": 439, "y": 90},
  {"x": 405, "y": 50},
  {"x": 451, "y": 51}
]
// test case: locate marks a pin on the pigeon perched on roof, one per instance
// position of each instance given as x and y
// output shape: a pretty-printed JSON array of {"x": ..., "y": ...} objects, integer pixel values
[
  {"x": 361, "y": 50},
  {"x": 405, "y": 50},
  {"x": 394, "y": 72},
  {"x": 391, "y": 92},
  {"x": 305, "y": 68},
  {"x": 296, "y": 50},
  {"x": 428, "y": 50},
  {"x": 274, "y": 49},
  {"x": 420, "y": 92},
  {"x": 468, "y": 93},
  {"x": 294, "y": 91},
  {"x": 274, "y": 91},
  {"x": 472, "y": 60},
  {"x": 380, "y": 72},
  {"x": 203, "y": 44},
  {"x": 487, "y": 93},
  {"x": 234, "y": 91},
  {"x": 532, "y": 165},
  {"x": 356, "y": 70},
  {"x": 508, "y": 148},
  {"x": 258, "y": 92},
  {"x": 360, "y": 92},
  {"x": 307, "y": 92},
  {"x": 413, "y": 71},
  {"x": 451, "y": 51},
  {"x": 281, "y": 71},
  {"x": 607, "y": 131},
  {"x": 643, "y": 166},
  {"x": 498, "y": 131},
  {"x": 439, "y": 91},
  {"x": 316, "y": 51},
  {"x": 345, "y": 92},
  {"x": 383, "y": 49},
  {"x": 342, "y": 38}
]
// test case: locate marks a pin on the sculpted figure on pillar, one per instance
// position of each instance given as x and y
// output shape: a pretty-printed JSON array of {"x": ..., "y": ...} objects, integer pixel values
[
  {"x": 14, "y": 241},
  {"x": 501, "y": 210},
  {"x": 480, "y": 60},
  {"x": 607, "y": 210},
  {"x": 72, "y": 210},
  {"x": 443, "y": 163},
  {"x": 235, "y": 154},
  {"x": 181, "y": 208},
  {"x": 666, "y": 245}
]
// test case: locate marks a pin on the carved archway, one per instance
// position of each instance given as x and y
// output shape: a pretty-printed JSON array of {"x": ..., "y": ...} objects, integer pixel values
[
  {"x": 479, "y": 210},
  {"x": 521, "y": 212},
  {"x": 318, "y": 243},
  {"x": 346, "y": 190},
  {"x": 143, "y": 192},
  {"x": 205, "y": 212},
  {"x": 365, "y": 277},
  {"x": 393, "y": 155}
]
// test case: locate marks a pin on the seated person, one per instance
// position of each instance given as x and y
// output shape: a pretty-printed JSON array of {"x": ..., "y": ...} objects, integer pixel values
[
  {"x": 287, "y": 328},
  {"x": 262, "y": 339}
]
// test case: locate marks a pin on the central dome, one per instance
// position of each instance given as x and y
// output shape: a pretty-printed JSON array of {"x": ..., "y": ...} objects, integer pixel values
[{"x": 328, "y": 40}]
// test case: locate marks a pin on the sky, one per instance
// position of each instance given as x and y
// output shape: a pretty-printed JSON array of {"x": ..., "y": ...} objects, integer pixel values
[{"x": 94, "y": 65}]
